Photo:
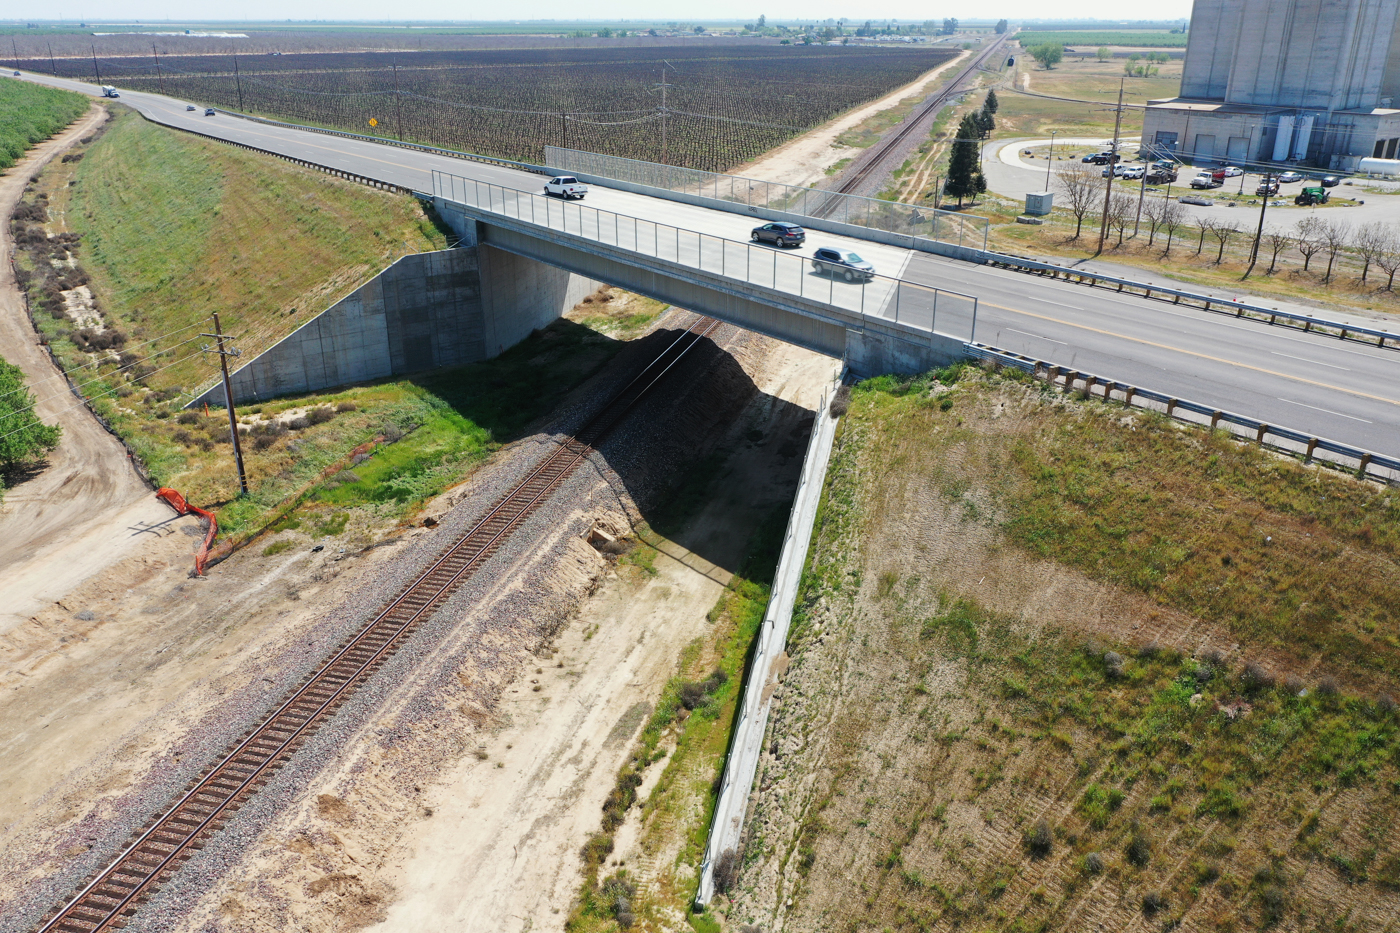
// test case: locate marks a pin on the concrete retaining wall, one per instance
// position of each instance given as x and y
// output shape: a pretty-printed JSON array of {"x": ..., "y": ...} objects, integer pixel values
[{"x": 425, "y": 311}]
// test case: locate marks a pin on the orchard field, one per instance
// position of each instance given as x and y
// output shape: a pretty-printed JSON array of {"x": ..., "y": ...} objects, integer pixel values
[{"x": 724, "y": 105}]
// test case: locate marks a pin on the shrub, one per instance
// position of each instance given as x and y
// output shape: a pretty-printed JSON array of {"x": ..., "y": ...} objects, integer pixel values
[
  {"x": 1093, "y": 863},
  {"x": 321, "y": 415},
  {"x": 189, "y": 417},
  {"x": 300, "y": 423},
  {"x": 693, "y": 694},
  {"x": 597, "y": 849},
  {"x": 1150, "y": 650},
  {"x": 1152, "y": 903},
  {"x": 726, "y": 871},
  {"x": 1040, "y": 840},
  {"x": 346, "y": 406},
  {"x": 1328, "y": 686},
  {"x": 277, "y": 547},
  {"x": 1212, "y": 656},
  {"x": 1274, "y": 903},
  {"x": 1113, "y": 664},
  {"x": 1385, "y": 703},
  {"x": 1139, "y": 851},
  {"x": 1257, "y": 677}
]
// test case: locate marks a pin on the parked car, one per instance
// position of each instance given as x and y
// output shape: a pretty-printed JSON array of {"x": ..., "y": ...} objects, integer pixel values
[
  {"x": 1287, "y": 178},
  {"x": 1132, "y": 171},
  {"x": 17, "y": 74},
  {"x": 208, "y": 111},
  {"x": 566, "y": 186},
  {"x": 1267, "y": 189},
  {"x": 781, "y": 234},
  {"x": 189, "y": 106},
  {"x": 1161, "y": 176},
  {"x": 1102, "y": 158},
  {"x": 842, "y": 262},
  {"x": 1330, "y": 181},
  {"x": 1233, "y": 171}
]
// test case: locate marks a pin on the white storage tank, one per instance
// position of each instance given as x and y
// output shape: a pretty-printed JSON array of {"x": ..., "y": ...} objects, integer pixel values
[{"x": 1379, "y": 166}]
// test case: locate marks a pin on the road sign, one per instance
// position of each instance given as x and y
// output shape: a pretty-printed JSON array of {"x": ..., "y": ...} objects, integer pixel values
[{"x": 373, "y": 121}]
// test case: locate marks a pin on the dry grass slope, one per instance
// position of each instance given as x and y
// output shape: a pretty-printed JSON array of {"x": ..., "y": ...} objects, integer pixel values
[{"x": 1071, "y": 687}]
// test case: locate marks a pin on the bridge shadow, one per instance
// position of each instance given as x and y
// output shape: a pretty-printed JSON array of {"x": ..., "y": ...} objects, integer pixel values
[{"x": 705, "y": 455}]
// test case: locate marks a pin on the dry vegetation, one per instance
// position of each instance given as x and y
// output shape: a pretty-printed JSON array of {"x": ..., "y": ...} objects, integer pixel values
[{"x": 1062, "y": 667}]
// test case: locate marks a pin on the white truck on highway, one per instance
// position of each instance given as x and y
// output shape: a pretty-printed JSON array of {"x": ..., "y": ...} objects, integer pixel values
[
  {"x": 566, "y": 186},
  {"x": 109, "y": 91}
]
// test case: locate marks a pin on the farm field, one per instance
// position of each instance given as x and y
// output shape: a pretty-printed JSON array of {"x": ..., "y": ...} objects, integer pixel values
[
  {"x": 30, "y": 113},
  {"x": 1093, "y": 37},
  {"x": 726, "y": 105}
]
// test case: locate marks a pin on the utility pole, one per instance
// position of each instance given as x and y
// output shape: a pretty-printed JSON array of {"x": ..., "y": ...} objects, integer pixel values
[
  {"x": 564, "y": 126},
  {"x": 1112, "y": 168},
  {"x": 52, "y": 64},
  {"x": 398, "y": 109},
  {"x": 94, "y": 65},
  {"x": 16, "y": 51},
  {"x": 1259, "y": 233},
  {"x": 159, "y": 77},
  {"x": 239, "y": 82},
  {"x": 664, "y": 86},
  {"x": 1050, "y": 159},
  {"x": 218, "y": 335}
]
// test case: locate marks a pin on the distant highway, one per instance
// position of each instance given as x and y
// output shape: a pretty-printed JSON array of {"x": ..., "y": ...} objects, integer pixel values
[{"x": 1343, "y": 391}]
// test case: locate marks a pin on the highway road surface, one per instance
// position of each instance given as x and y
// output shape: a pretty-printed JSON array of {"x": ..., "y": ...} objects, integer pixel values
[{"x": 1344, "y": 391}]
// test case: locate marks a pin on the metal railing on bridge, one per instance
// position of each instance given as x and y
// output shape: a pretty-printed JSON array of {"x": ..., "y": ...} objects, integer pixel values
[
  {"x": 939, "y": 226},
  {"x": 923, "y": 307}
]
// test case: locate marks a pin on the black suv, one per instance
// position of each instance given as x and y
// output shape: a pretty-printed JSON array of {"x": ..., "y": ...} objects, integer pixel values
[
  {"x": 1102, "y": 158},
  {"x": 781, "y": 234}
]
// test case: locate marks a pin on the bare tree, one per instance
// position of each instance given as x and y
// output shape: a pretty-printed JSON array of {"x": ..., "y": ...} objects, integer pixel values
[
  {"x": 1310, "y": 240},
  {"x": 1389, "y": 260},
  {"x": 1371, "y": 240},
  {"x": 1207, "y": 225},
  {"x": 1278, "y": 242},
  {"x": 1223, "y": 231},
  {"x": 1152, "y": 210},
  {"x": 1335, "y": 235},
  {"x": 1173, "y": 219},
  {"x": 1080, "y": 185},
  {"x": 1121, "y": 208}
]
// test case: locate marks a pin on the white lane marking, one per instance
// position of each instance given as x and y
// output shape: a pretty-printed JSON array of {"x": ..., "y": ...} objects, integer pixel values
[
  {"x": 1327, "y": 411},
  {"x": 1036, "y": 336},
  {"x": 1047, "y": 301},
  {"x": 1303, "y": 359}
]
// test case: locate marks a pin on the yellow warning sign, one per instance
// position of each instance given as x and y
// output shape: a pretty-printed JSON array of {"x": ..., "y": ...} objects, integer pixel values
[{"x": 373, "y": 121}]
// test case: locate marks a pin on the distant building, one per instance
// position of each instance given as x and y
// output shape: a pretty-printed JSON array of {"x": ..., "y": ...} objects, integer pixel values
[{"x": 1285, "y": 81}]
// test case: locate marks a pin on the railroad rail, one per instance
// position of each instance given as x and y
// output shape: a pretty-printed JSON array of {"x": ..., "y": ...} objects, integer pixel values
[
  {"x": 870, "y": 163},
  {"x": 112, "y": 895}
]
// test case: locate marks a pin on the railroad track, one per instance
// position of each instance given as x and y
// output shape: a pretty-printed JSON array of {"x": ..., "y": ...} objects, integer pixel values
[
  {"x": 111, "y": 896},
  {"x": 875, "y": 158}
]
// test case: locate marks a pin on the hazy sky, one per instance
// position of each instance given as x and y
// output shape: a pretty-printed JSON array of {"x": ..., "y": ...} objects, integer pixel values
[{"x": 593, "y": 9}]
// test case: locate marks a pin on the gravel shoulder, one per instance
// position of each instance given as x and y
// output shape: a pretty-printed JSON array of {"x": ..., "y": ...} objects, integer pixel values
[{"x": 87, "y": 508}]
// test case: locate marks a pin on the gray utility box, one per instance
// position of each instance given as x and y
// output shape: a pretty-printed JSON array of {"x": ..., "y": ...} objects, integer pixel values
[{"x": 1039, "y": 204}]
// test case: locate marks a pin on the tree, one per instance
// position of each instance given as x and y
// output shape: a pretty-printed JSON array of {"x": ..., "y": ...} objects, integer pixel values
[
  {"x": 762, "y": 21},
  {"x": 1001, "y": 27},
  {"x": 1050, "y": 54},
  {"x": 1371, "y": 241},
  {"x": 985, "y": 123},
  {"x": 1207, "y": 225},
  {"x": 950, "y": 26},
  {"x": 1155, "y": 212},
  {"x": 1309, "y": 239},
  {"x": 23, "y": 437},
  {"x": 991, "y": 104},
  {"x": 1104, "y": 54},
  {"x": 1223, "y": 231},
  {"x": 1278, "y": 242},
  {"x": 1077, "y": 183},
  {"x": 1389, "y": 261},
  {"x": 964, "y": 172},
  {"x": 1173, "y": 219},
  {"x": 1334, "y": 235}
]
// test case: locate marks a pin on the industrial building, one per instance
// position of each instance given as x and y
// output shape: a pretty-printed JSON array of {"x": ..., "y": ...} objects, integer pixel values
[{"x": 1285, "y": 81}]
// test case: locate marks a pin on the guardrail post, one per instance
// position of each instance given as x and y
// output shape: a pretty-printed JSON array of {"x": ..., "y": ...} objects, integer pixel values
[
  {"x": 1107, "y": 389},
  {"x": 1312, "y": 446},
  {"x": 1259, "y": 434},
  {"x": 1215, "y": 419},
  {"x": 973, "y": 336},
  {"x": 1089, "y": 383},
  {"x": 1052, "y": 374},
  {"x": 1171, "y": 406},
  {"x": 1361, "y": 469},
  {"x": 1128, "y": 396}
]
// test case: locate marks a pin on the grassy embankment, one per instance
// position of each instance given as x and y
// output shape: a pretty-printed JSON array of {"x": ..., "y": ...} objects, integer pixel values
[
  {"x": 31, "y": 113},
  {"x": 171, "y": 227},
  {"x": 1102, "y": 672}
]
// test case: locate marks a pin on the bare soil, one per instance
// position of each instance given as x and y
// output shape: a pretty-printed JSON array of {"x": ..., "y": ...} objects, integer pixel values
[
  {"x": 804, "y": 160},
  {"x": 85, "y": 507}
]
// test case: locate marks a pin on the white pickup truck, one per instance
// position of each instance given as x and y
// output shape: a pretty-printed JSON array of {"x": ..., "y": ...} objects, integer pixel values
[{"x": 567, "y": 187}]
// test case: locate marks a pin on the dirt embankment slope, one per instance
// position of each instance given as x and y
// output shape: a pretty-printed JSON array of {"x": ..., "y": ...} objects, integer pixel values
[
  {"x": 1062, "y": 667},
  {"x": 86, "y": 507}
]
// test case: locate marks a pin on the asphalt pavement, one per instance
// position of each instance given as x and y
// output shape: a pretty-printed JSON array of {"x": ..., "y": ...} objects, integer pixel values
[{"x": 1339, "y": 390}]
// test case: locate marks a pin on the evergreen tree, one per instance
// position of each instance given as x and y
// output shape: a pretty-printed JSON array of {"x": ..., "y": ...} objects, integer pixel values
[
  {"x": 1001, "y": 26},
  {"x": 991, "y": 103},
  {"x": 963, "y": 164}
]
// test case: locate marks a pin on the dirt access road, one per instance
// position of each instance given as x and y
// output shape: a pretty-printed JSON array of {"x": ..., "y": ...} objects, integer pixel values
[{"x": 87, "y": 507}]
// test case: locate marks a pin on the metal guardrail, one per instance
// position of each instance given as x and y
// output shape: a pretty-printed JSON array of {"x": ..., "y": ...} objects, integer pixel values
[
  {"x": 1376, "y": 336},
  {"x": 890, "y": 299},
  {"x": 938, "y": 226},
  {"x": 1365, "y": 464}
]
